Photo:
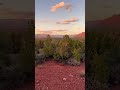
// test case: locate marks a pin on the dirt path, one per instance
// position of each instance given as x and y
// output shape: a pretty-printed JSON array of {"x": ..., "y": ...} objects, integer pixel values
[{"x": 55, "y": 76}]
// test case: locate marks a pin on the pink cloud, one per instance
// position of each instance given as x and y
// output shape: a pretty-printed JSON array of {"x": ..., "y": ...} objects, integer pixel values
[
  {"x": 68, "y": 21},
  {"x": 56, "y": 31},
  {"x": 61, "y": 5}
]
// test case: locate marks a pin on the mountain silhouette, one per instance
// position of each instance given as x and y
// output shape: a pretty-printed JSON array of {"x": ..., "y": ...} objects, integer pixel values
[{"x": 110, "y": 23}]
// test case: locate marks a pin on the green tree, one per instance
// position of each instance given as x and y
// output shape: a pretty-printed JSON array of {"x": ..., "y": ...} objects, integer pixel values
[
  {"x": 76, "y": 54},
  {"x": 48, "y": 48}
]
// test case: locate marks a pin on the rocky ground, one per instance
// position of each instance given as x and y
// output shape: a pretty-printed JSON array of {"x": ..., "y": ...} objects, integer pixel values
[{"x": 56, "y": 76}]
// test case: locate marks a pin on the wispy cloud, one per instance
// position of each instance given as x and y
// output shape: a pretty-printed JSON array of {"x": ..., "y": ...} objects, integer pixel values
[
  {"x": 68, "y": 21},
  {"x": 47, "y": 20},
  {"x": 57, "y": 31},
  {"x": 63, "y": 5}
]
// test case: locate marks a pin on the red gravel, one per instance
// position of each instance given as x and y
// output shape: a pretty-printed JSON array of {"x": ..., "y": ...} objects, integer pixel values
[{"x": 55, "y": 76}]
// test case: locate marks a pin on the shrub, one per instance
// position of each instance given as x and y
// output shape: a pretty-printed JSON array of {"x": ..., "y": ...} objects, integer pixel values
[
  {"x": 73, "y": 62},
  {"x": 48, "y": 47},
  {"x": 61, "y": 49},
  {"x": 76, "y": 54}
]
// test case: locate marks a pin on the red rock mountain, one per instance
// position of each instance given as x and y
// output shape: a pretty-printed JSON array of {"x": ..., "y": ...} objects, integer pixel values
[
  {"x": 80, "y": 36},
  {"x": 112, "y": 23}
]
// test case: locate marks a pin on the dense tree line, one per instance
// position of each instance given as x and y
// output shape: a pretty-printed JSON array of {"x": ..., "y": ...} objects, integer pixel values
[{"x": 60, "y": 49}]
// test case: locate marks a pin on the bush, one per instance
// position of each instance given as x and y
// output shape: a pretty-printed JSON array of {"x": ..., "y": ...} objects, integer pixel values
[
  {"x": 48, "y": 47},
  {"x": 4, "y": 60},
  {"x": 73, "y": 62},
  {"x": 62, "y": 49},
  {"x": 76, "y": 54},
  {"x": 103, "y": 55}
]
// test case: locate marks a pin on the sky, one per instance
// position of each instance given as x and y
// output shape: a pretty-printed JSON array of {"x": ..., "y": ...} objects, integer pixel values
[
  {"x": 59, "y": 17},
  {"x": 101, "y": 9}
]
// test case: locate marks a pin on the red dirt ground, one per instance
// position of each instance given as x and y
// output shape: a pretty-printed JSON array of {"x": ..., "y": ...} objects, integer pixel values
[{"x": 55, "y": 76}]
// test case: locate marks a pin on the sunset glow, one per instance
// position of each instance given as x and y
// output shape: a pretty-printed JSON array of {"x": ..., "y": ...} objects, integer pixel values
[{"x": 56, "y": 17}]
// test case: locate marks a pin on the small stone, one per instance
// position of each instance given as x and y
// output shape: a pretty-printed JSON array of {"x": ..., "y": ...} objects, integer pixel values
[
  {"x": 37, "y": 81},
  {"x": 64, "y": 79},
  {"x": 66, "y": 86},
  {"x": 71, "y": 75}
]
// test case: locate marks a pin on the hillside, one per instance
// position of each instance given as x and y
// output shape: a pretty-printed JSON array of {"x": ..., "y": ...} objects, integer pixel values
[
  {"x": 80, "y": 35},
  {"x": 14, "y": 24},
  {"x": 110, "y": 23},
  {"x": 41, "y": 36}
]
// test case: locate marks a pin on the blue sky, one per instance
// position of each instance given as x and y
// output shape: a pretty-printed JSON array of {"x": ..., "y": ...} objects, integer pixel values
[{"x": 59, "y": 16}]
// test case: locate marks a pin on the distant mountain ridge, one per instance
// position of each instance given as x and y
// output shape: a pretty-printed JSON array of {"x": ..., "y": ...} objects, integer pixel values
[
  {"x": 80, "y": 35},
  {"x": 14, "y": 24},
  {"x": 53, "y": 36},
  {"x": 112, "y": 22},
  {"x": 76, "y": 36}
]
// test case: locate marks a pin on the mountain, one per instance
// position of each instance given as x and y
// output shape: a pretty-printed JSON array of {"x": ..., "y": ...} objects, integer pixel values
[
  {"x": 110, "y": 23},
  {"x": 45, "y": 36},
  {"x": 113, "y": 22},
  {"x": 14, "y": 24},
  {"x": 39, "y": 36},
  {"x": 80, "y": 35}
]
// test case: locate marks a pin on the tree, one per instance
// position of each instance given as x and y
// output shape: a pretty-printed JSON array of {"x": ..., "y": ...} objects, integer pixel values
[
  {"x": 64, "y": 48},
  {"x": 48, "y": 48},
  {"x": 76, "y": 54}
]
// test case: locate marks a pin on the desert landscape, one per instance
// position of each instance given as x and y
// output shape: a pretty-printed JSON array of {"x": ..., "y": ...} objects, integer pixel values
[{"x": 60, "y": 62}]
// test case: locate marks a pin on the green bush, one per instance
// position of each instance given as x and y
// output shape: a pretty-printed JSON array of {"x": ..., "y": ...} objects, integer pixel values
[
  {"x": 76, "y": 54},
  {"x": 48, "y": 48},
  {"x": 103, "y": 55},
  {"x": 61, "y": 49}
]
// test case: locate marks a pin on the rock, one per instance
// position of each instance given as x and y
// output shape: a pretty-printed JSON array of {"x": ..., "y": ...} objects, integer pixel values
[
  {"x": 66, "y": 85},
  {"x": 47, "y": 88},
  {"x": 64, "y": 79},
  {"x": 82, "y": 73},
  {"x": 71, "y": 75},
  {"x": 37, "y": 81}
]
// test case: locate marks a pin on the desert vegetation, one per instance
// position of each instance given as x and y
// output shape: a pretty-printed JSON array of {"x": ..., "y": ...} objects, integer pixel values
[
  {"x": 16, "y": 60},
  {"x": 103, "y": 58},
  {"x": 59, "y": 60},
  {"x": 66, "y": 50}
]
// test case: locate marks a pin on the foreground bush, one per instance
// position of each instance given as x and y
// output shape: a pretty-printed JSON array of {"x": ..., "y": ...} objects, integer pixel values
[
  {"x": 103, "y": 55},
  {"x": 65, "y": 50},
  {"x": 73, "y": 62}
]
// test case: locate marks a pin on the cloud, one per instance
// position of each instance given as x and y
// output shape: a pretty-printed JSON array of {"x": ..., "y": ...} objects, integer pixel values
[
  {"x": 57, "y": 31},
  {"x": 68, "y": 21},
  {"x": 47, "y": 20},
  {"x": 59, "y": 5},
  {"x": 63, "y": 5},
  {"x": 68, "y": 7},
  {"x": 62, "y": 22}
]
